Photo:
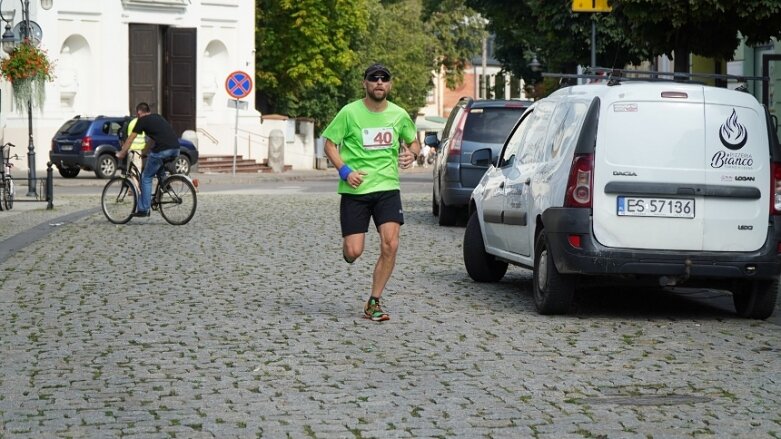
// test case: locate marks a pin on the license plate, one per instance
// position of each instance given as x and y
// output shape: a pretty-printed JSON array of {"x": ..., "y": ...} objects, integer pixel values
[
  {"x": 655, "y": 207},
  {"x": 66, "y": 147}
]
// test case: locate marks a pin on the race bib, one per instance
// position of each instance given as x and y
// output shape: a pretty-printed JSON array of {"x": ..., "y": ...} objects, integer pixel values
[{"x": 378, "y": 138}]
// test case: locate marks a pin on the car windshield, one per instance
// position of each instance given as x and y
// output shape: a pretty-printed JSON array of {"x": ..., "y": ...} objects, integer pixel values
[
  {"x": 491, "y": 125},
  {"x": 74, "y": 127}
]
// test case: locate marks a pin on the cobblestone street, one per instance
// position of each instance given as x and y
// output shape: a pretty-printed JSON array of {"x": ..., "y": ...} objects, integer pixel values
[{"x": 246, "y": 322}]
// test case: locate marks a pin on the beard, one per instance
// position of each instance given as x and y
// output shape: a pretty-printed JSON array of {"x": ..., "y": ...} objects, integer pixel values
[{"x": 377, "y": 95}]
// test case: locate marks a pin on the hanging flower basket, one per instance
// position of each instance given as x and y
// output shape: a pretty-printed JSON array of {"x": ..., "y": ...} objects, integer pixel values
[{"x": 28, "y": 68}]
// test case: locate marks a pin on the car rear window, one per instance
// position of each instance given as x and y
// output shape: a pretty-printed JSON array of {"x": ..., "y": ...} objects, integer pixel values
[
  {"x": 491, "y": 125},
  {"x": 75, "y": 127}
]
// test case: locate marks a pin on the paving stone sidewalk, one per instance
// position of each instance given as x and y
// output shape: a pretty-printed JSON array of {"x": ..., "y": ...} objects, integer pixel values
[{"x": 247, "y": 323}]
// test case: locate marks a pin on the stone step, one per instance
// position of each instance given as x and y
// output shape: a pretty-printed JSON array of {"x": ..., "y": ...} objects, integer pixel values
[{"x": 224, "y": 164}]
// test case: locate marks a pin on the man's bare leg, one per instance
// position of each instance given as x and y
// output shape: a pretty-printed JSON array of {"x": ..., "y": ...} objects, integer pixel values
[
  {"x": 352, "y": 247},
  {"x": 389, "y": 245}
]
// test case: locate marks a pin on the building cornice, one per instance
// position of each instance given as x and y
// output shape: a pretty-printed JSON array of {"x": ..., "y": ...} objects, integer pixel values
[{"x": 156, "y": 4}]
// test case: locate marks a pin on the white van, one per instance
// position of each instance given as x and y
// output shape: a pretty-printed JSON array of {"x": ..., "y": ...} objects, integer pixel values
[{"x": 675, "y": 183}]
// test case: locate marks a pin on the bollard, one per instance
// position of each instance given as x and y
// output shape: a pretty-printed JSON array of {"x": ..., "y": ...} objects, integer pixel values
[
  {"x": 49, "y": 186},
  {"x": 276, "y": 150}
]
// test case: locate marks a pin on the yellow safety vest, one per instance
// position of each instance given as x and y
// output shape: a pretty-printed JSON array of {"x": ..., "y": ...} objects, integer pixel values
[{"x": 140, "y": 141}]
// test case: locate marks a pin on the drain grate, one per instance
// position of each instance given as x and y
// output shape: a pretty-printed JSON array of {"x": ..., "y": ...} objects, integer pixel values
[{"x": 646, "y": 400}]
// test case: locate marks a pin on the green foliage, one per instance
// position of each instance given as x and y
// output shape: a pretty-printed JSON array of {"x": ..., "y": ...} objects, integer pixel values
[
  {"x": 550, "y": 31},
  {"x": 303, "y": 49},
  {"x": 634, "y": 31},
  {"x": 397, "y": 40},
  {"x": 459, "y": 31},
  {"x": 705, "y": 27},
  {"x": 311, "y": 54}
]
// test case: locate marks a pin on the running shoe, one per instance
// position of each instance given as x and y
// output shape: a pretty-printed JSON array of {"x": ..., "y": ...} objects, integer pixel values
[{"x": 374, "y": 312}]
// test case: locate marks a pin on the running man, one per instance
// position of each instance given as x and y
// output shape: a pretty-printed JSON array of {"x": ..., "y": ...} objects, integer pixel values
[{"x": 363, "y": 142}]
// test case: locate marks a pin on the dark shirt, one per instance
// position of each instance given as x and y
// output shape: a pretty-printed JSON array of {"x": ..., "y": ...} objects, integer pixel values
[{"x": 159, "y": 130}]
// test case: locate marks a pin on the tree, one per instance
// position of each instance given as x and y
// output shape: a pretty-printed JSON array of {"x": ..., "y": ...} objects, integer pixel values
[
  {"x": 556, "y": 36},
  {"x": 706, "y": 27},
  {"x": 303, "y": 49},
  {"x": 459, "y": 31},
  {"x": 311, "y": 54},
  {"x": 635, "y": 30},
  {"x": 398, "y": 41}
]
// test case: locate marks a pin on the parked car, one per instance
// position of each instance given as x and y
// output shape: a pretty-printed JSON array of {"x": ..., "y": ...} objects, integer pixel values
[
  {"x": 90, "y": 143},
  {"x": 473, "y": 124},
  {"x": 674, "y": 184}
]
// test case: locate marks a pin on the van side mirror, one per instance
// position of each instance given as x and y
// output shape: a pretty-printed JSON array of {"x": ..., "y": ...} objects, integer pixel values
[
  {"x": 431, "y": 140},
  {"x": 482, "y": 157}
]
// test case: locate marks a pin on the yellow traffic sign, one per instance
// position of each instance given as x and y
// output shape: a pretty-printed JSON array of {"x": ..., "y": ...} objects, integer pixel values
[{"x": 590, "y": 6}]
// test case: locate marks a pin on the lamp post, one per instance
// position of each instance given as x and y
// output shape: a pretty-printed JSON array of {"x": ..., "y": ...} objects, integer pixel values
[
  {"x": 9, "y": 42},
  {"x": 535, "y": 66}
]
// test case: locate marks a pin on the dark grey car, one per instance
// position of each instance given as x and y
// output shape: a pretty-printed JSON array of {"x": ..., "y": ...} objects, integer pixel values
[{"x": 472, "y": 125}]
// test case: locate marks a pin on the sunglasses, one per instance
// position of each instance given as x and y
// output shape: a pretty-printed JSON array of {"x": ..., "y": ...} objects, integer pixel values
[{"x": 379, "y": 78}]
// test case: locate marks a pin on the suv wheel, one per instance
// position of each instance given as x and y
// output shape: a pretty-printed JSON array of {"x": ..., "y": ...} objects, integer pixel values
[
  {"x": 107, "y": 166},
  {"x": 553, "y": 291},
  {"x": 755, "y": 299},
  {"x": 68, "y": 172},
  {"x": 481, "y": 266},
  {"x": 447, "y": 214},
  {"x": 182, "y": 165}
]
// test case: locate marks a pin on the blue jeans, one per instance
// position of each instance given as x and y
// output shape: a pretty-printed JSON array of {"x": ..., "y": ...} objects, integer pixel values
[{"x": 154, "y": 165}]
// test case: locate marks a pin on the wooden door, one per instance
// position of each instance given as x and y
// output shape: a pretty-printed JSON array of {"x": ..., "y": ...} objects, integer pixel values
[
  {"x": 144, "y": 74},
  {"x": 179, "y": 78}
]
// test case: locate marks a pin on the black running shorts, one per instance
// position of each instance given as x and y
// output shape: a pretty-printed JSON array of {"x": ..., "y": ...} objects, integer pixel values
[{"x": 383, "y": 207}]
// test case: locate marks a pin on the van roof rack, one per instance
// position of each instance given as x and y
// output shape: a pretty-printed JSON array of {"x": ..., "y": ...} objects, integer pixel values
[{"x": 616, "y": 76}]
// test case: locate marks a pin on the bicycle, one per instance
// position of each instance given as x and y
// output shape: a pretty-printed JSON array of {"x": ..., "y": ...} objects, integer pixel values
[
  {"x": 174, "y": 196},
  {"x": 7, "y": 187}
]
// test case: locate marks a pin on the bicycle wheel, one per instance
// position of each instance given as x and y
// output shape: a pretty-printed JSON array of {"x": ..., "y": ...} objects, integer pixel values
[
  {"x": 118, "y": 200},
  {"x": 9, "y": 190},
  {"x": 177, "y": 200}
]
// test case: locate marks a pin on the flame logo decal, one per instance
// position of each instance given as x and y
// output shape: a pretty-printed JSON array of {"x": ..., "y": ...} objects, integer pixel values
[{"x": 733, "y": 135}]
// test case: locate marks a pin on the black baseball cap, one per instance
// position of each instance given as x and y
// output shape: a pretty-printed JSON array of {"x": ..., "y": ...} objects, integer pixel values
[{"x": 375, "y": 69}]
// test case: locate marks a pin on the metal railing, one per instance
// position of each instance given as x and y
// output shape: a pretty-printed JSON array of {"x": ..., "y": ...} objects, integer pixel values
[
  {"x": 246, "y": 137},
  {"x": 209, "y": 136},
  {"x": 252, "y": 138}
]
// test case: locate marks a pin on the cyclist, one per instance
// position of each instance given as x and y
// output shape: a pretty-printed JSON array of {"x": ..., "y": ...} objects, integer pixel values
[
  {"x": 139, "y": 143},
  {"x": 166, "y": 146}
]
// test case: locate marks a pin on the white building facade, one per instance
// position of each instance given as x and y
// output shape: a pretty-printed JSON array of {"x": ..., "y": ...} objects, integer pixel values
[{"x": 174, "y": 54}]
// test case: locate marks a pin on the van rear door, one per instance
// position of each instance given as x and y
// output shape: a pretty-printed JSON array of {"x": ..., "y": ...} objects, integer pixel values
[
  {"x": 664, "y": 179},
  {"x": 738, "y": 163}
]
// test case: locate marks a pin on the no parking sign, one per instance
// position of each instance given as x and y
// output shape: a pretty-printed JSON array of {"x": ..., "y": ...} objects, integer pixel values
[{"x": 238, "y": 84}]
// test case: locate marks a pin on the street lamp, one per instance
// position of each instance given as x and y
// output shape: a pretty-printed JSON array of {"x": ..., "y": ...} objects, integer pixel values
[
  {"x": 535, "y": 66},
  {"x": 29, "y": 31}
]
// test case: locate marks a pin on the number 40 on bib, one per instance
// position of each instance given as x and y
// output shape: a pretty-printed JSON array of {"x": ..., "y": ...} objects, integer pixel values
[{"x": 377, "y": 138}]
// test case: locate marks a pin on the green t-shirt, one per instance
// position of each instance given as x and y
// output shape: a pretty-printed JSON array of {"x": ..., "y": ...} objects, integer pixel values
[{"x": 369, "y": 142}]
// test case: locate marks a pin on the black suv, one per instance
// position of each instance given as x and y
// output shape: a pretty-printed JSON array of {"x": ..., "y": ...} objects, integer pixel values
[
  {"x": 472, "y": 125},
  {"x": 91, "y": 143}
]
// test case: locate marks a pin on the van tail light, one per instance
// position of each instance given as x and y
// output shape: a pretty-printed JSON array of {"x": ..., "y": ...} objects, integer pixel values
[
  {"x": 454, "y": 146},
  {"x": 86, "y": 144},
  {"x": 580, "y": 185},
  {"x": 775, "y": 189}
]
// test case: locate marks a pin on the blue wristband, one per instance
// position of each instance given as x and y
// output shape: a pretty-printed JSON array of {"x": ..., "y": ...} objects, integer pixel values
[{"x": 344, "y": 172}]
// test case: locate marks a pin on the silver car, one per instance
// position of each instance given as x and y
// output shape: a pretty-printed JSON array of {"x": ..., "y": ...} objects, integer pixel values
[{"x": 472, "y": 125}]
